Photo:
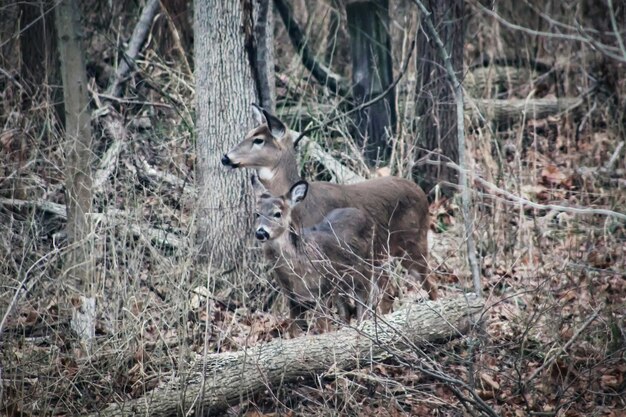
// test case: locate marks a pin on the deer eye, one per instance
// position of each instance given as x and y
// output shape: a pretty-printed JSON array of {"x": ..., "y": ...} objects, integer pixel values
[
  {"x": 256, "y": 215},
  {"x": 258, "y": 141},
  {"x": 277, "y": 215}
]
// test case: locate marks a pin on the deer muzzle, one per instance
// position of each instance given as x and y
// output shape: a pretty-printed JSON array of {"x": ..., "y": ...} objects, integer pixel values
[
  {"x": 261, "y": 234},
  {"x": 226, "y": 161}
]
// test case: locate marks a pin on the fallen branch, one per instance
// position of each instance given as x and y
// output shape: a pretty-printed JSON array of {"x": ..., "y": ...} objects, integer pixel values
[
  {"x": 479, "y": 110},
  {"x": 514, "y": 110},
  {"x": 299, "y": 41},
  {"x": 225, "y": 379},
  {"x": 341, "y": 173},
  {"x": 117, "y": 131},
  {"x": 113, "y": 217},
  {"x": 136, "y": 41}
]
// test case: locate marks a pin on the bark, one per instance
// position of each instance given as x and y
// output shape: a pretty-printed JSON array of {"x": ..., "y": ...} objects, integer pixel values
[
  {"x": 264, "y": 51},
  {"x": 78, "y": 164},
  {"x": 372, "y": 74},
  {"x": 514, "y": 110},
  {"x": 225, "y": 90},
  {"x": 435, "y": 104},
  {"x": 230, "y": 378}
]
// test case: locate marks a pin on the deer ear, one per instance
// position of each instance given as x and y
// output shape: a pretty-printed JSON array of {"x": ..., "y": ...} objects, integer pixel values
[
  {"x": 297, "y": 193},
  {"x": 277, "y": 127},
  {"x": 258, "y": 188},
  {"x": 257, "y": 112}
]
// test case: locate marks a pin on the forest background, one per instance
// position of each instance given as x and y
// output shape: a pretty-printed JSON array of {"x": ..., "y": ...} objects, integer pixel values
[{"x": 127, "y": 258}]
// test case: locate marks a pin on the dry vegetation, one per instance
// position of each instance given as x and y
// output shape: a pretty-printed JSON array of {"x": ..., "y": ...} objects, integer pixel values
[{"x": 554, "y": 340}]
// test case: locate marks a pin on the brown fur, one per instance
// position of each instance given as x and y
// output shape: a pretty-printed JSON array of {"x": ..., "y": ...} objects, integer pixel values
[
  {"x": 397, "y": 207},
  {"x": 330, "y": 261}
]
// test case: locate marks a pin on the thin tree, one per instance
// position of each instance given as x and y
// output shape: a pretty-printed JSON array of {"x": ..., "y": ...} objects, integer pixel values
[
  {"x": 435, "y": 105},
  {"x": 78, "y": 265},
  {"x": 372, "y": 74}
]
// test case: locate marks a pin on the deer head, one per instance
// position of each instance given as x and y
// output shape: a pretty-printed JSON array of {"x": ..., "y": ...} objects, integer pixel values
[
  {"x": 273, "y": 214},
  {"x": 261, "y": 145}
]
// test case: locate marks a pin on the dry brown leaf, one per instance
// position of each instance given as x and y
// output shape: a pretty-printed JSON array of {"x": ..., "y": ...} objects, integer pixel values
[{"x": 487, "y": 379}]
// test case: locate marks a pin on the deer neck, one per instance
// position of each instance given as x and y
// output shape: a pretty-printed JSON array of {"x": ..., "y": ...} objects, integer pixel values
[
  {"x": 279, "y": 178},
  {"x": 287, "y": 246}
]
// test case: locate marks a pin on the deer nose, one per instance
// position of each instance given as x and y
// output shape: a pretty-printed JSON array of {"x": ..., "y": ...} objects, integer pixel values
[
  {"x": 261, "y": 234},
  {"x": 226, "y": 160}
]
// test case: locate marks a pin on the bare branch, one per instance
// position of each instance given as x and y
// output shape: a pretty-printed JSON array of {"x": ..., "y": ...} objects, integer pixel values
[
  {"x": 136, "y": 41},
  {"x": 605, "y": 49},
  {"x": 512, "y": 198},
  {"x": 565, "y": 347},
  {"x": 321, "y": 73}
]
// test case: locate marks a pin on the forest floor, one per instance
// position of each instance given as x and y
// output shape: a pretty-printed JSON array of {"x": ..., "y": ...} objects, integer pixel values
[{"x": 553, "y": 342}]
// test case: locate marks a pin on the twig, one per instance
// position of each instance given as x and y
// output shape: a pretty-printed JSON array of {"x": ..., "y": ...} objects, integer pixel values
[
  {"x": 565, "y": 347},
  {"x": 136, "y": 41},
  {"x": 460, "y": 131},
  {"x": 616, "y": 32},
  {"x": 605, "y": 49},
  {"x": 322, "y": 74},
  {"x": 609, "y": 165},
  {"x": 21, "y": 288},
  {"x": 139, "y": 102}
]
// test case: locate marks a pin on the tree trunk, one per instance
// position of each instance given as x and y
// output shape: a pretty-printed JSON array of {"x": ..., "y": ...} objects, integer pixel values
[
  {"x": 264, "y": 51},
  {"x": 225, "y": 88},
  {"x": 38, "y": 43},
  {"x": 435, "y": 105},
  {"x": 230, "y": 378},
  {"x": 77, "y": 165},
  {"x": 372, "y": 74}
]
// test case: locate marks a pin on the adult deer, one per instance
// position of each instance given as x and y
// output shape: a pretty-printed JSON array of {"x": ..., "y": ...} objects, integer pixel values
[
  {"x": 398, "y": 207},
  {"x": 314, "y": 266}
]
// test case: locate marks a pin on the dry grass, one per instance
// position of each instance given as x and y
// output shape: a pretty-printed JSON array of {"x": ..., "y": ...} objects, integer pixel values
[{"x": 545, "y": 273}]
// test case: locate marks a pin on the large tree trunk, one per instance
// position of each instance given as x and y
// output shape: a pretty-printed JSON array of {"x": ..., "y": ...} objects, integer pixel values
[
  {"x": 435, "y": 105},
  {"x": 230, "y": 378},
  {"x": 225, "y": 88},
  {"x": 372, "y": 74},
  {"x": 78, "y": 164}
]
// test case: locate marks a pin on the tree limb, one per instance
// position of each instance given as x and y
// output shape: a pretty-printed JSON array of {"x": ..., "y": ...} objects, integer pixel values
[
  {"x": 224, "y": 379},
  {"x": 342, "y": 174},
  {"x": 155, "y": 235},
  {"x": 511, "y": 198},
  {"x": 321, "y": 73},
  {"x": 136, "y": 41}
]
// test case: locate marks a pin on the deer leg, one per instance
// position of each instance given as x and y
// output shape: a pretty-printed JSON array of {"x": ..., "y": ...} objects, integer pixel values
[
  {"x": 296, "y": 314},
  {"x": 414, "y": 249},
  {"x": 386, "y": 293},
  {"x": 427, "y": 284}
]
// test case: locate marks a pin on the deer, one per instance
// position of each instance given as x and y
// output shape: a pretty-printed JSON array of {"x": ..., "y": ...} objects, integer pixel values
[
  {"x": 398, "y": 207},
  {"x": 327, "y": 263}
]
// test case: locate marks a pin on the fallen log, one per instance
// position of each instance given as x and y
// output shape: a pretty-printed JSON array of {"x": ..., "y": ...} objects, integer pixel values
[
  {"x": 225, "y": 379},
  {"x": 515, "y": 110},
  {"x": 511, "y": 110}
]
